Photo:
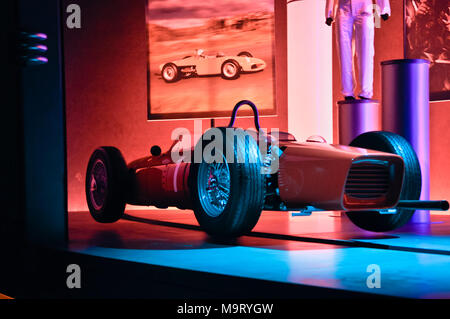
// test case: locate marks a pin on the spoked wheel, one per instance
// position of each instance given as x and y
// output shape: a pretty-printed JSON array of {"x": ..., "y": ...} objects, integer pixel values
[
  {"x": 228, "y": 193},
  {"x": 106, "y": 184},
  {"x": 214, "y": 187},
  {"x": 412, "y": 181},
  {"x": 98, "y": 184},
  {"x": 230, "y": 70},
  {"x": 170, "y": 73}
]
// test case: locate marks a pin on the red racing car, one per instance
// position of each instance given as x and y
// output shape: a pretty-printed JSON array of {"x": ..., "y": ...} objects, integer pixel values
[{"x": 231, "y": 175}]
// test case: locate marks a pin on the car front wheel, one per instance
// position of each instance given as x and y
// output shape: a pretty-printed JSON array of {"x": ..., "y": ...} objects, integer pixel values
[
  {"x": 412, "y": 181},
  {"x": 228, "y": 193}
]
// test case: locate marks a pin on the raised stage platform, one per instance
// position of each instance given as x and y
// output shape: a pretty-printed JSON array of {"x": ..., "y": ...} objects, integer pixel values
[{"x": 311, "y": 256}]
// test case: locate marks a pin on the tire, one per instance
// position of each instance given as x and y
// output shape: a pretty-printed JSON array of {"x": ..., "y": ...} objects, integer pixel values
[
  {"x": 412, "y": 182},
  {"x": 170, "y": 73},
  {"x": 230, "y": 70},
  {"x": 106, "y": 184},
  {"x": 246, "y": 54},
  {"x": 240, "y": 210}
]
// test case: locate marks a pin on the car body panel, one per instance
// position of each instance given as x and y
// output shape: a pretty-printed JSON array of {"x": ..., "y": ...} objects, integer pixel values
[
  {"x": 310, "y": 174},
  {"x": 315, "y": 174},
  {"x": 160, "y": 182}
]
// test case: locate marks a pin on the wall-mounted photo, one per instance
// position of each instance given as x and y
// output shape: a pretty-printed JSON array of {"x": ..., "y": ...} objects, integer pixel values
[
  {"x": 427, "y": 26},
  {"x": 205, "y": 56}
]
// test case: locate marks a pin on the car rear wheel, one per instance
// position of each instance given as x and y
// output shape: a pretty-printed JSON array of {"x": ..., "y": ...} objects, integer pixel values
[
  {"x": 246, "y": 54},
  {"x": 106, "y": 184},
  {"x": 228, "y": 193},
  {"x": 412, "y": 182},
  {"x": 170, "y": 73},
  {"x": 230, "y": 70}
]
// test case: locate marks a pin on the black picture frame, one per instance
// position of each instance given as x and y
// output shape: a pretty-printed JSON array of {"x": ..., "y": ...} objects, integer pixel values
[{"x": 272, "y": 111}]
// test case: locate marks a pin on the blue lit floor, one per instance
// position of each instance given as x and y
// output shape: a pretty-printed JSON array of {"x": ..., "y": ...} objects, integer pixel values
[{"x": 318, "y": 250}]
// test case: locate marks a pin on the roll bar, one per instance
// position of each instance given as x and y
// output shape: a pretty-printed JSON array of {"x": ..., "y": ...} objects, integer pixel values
[{"x": 255, "y": 113}]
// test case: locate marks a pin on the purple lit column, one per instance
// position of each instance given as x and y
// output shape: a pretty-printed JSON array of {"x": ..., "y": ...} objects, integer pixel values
[
  {"x": 406, "y": 111},
  {"x": 357, "y": 117}
]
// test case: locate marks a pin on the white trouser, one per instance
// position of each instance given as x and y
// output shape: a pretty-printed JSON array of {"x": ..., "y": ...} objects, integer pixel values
[{"x": 364, "y": 38}]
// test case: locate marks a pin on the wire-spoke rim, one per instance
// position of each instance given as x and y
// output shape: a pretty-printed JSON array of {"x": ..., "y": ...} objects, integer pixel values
[{"x": 214, "y": 186}]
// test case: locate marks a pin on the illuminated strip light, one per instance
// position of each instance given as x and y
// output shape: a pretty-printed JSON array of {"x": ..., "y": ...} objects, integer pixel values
[{"x": 38, "y": 60}]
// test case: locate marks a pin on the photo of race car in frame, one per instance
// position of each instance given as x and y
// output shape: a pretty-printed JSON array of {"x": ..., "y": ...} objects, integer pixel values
[{"x": 202, "y": 56}]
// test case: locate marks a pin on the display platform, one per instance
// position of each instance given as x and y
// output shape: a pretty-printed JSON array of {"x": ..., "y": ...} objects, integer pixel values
[{"x": 318, "y": 255}]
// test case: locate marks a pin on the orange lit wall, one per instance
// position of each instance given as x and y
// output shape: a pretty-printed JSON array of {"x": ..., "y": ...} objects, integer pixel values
[
  {"x": 106, "y": 87},
  {"x": 440, "y": 150},
  {"x": 389, "y": 45}
]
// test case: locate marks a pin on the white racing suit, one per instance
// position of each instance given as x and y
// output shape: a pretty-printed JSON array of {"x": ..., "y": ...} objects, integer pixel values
[{"x": 357, "y": 14}]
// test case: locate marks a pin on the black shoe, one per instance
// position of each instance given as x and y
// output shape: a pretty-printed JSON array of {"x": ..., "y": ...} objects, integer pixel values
[
  {"x": 363, "y": 98},
  {"x": 349, "y": 98}
]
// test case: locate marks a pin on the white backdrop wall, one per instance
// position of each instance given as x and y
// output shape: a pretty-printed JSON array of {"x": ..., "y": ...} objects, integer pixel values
[{"x": 310, "y": 77}]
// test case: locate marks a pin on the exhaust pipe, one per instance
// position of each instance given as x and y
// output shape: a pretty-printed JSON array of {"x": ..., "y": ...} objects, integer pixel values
[{"x": 423, "y": 204}]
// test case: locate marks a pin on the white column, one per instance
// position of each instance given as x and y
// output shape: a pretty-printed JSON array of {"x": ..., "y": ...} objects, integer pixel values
[{"x": 310, "y": 110}]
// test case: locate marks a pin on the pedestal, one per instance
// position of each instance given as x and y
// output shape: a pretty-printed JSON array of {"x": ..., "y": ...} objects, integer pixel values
[
  {"x": 357, "y": 117},
  {"x": 406, "y": 111}
]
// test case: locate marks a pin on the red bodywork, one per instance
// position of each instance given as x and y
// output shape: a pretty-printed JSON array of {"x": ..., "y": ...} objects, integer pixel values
[
  {"x": 325, "y": 176},
  {"x": 315, "y": 174}
]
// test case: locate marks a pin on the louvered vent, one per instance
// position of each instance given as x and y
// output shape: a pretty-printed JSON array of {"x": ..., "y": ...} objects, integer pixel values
[{"x": 367, "y": 181}]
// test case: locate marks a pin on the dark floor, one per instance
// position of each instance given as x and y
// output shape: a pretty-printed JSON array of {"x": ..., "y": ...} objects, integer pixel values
[{"x": 311, "y": 251}]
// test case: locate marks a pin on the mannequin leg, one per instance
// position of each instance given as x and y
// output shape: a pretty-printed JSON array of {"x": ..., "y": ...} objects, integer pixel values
[
  {"x": 344, "y": 28},
  {"x": 364, "y": 28}
]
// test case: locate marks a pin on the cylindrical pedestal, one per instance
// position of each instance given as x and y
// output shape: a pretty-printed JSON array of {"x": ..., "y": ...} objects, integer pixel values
[
  {"x": 406, "y": 111},
  {"x": 357, "y": 117}
]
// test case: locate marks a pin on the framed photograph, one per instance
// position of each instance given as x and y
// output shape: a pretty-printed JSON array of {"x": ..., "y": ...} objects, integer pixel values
[
  {"x": 205, "y": 56},
  {"x": 427, "y": 36}
]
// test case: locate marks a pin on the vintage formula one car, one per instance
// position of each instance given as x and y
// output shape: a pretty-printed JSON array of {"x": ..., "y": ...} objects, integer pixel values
[
  {"x": 229, "y": 67},
  {"x": 376, "y": 180}
]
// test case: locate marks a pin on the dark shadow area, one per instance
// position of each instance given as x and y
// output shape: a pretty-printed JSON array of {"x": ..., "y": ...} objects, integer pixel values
[
  {"x": 375, "y": 237},
  {"x": 336, "y": 242}
]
